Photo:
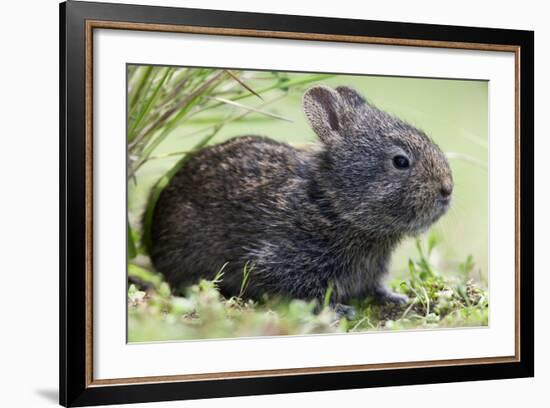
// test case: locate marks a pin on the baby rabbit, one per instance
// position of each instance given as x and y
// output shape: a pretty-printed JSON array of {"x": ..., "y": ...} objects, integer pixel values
[{"x": 304, "y": 220}]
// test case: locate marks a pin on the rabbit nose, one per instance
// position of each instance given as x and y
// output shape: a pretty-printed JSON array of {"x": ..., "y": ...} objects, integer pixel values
[{"x": 446, "y": 188}]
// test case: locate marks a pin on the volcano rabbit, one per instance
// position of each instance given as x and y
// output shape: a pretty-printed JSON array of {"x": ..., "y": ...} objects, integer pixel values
[{"x": 304, "y": 219}]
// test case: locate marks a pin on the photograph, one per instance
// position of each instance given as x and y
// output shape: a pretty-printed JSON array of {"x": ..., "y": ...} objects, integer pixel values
[
  {"x": 274, "y": 203},
  {"x": 255, "y": 203}
]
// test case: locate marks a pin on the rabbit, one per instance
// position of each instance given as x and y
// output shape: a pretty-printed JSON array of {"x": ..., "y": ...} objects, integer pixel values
[{"x": 304, "y": 220}]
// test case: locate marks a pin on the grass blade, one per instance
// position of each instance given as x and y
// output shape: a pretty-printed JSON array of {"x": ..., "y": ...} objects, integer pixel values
[
  {"x": 183, "y": 107},
  {"x": 466, "y": 158},
  {"x": 131, "y": 246},
  {"x": 147, "y": 106},
  {"x": 243, "y": 84},
  {"x": 246, "y": 278},
  {"x": 287, "y": 85},
  {"x": 138, "y": 90},
  {"x": 328, "y": 295},
  {"x": 249, "y": 108}
]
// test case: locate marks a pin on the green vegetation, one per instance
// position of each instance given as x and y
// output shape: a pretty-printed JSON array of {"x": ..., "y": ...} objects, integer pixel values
[
  {"x": 174, "y": 111},
  {"x": 155, "y": 314}
]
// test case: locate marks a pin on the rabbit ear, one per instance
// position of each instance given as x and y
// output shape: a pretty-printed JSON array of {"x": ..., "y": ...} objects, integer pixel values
[
  {"x": 350, "y": 96},
  {"x": 322, "y": 108}
]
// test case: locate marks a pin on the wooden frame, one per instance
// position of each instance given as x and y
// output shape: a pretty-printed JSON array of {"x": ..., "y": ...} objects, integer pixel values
[{"x": 77, "y": 22}]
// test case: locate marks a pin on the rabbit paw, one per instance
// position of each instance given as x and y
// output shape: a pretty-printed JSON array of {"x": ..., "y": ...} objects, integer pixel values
[
  {"x": 345, "y": 311},
  {"x": 383, "y": 295}
]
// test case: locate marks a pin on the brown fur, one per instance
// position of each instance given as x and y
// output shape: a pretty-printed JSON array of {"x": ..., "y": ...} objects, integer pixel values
[{"x": 303, "y": 219}]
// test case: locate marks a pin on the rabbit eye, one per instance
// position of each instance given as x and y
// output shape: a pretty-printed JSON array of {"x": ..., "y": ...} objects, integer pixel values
[{"x": 401, "y": 162}]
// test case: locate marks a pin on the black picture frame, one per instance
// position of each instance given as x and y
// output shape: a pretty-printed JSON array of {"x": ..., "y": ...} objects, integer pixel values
[{"x": 76, "y": 387}]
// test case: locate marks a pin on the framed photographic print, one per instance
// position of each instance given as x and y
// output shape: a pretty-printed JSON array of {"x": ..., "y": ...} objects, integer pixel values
[{"x": 256, "y": 203}]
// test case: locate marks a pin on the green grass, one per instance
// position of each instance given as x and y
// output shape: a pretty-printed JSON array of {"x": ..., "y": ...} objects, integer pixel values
[
  {"x": 175, "y": 111},
  {"x": 435, "y": 301}
]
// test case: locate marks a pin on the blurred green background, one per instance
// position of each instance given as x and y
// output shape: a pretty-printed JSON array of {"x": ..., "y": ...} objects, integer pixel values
[{"x": 453, "y": 112}]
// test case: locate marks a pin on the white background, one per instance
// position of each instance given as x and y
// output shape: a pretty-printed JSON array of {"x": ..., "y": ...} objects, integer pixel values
[{"x": 28, "y": 171}]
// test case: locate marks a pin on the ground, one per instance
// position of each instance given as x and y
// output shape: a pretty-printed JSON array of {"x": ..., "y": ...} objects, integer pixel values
[{"x": 436, "y": 300}]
